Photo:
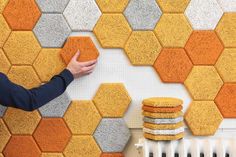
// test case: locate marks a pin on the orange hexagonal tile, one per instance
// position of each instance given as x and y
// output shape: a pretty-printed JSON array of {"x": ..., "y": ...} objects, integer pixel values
[
  {"x": 139, "y": 54},
  {"x": 4, "y": 64},
  {"x": 21, "y": 15},
  {"x": 173, "y": 65},
  {"x": 112, "y": 99},
  {"x": 52, "y": 155},
  {"x": 21, "y": 122},
  {"x": 4, "y": 30},
  {"x": 112, "y": 155},
  {"x": 176, "y": 6},
  {"x": 173, "y": 30},
  {"x": 204, "y": 47},
  {"x": 203, "y": 118},
  {"x": 3, "y": 3},
  {"x": 112, "y": 6},
  {"x": 22, "y": 47},
  {"x": 226, "y": 100},
  {"x": 112, "y": 30},
  {"x": 226, "y": 65},
  {"x": 21, "y": 146},
  {"x": 48, "y": 58},
  {"x": 24, "y": 75},
  {"x": 82, "y": 117},
  {"x": 52, "y": 135},
  {"x": 82, "y": 146},
  {"x": 85, "y": 45},
  {"x": 226, "y": 29},
  {"x": 203, "y": 83},
  {"x": 4, "y": 136}
]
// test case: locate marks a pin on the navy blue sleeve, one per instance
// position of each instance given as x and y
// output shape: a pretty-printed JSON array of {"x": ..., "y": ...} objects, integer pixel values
[{"x": 16, "y": 96}]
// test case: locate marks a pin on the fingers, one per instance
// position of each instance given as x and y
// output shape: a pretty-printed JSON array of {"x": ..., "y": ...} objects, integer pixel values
[
  {"x": 76, "y": 55},
  {"x": 88, "y": 68},
  {"x": 88, "y": 63}
]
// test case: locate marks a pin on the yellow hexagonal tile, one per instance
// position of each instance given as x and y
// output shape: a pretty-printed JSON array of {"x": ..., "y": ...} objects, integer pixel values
[
  {"x": 226, "y": 29},
  {"x": 4, "y": 135},
  {"x": 112, "y": 6},
  {"x": 140, "y": 54},
  {"x": 48, "y": 58},
  {"x": 112, "y": 30},
  {"x": 112, "y": 100},
  {"x": 3, "y": 3},
  {"x": 21, "y": 122},
  {"x": 226, "y": 65},
  {"x": 82, "y": 117},
  {"x": 22, "y": 47},
  {"x": 4, "y": 30},
  {"x": 82, "y": 146},
  {"x": 170, "y": 6},
  {"x": 173, "y": 30},
  {"x": 203, "y": 118},
  {"x": 4, "y": 64},
  {"x": 52, "y": 155},
  {"x": 1, "y": 155},
  {"x": 203, "y": 83}
]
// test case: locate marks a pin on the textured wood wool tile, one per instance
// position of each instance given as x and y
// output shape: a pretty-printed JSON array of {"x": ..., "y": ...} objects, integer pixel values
[
  {"x": 82, "y": 117},
  {"x": 52, "y": 135},
  {"x": 149, "y": 124},
  {"x": 112, "y": 155},
  {"x": 198, "y": 120},
  {"x": 2, "y": 110},
  {"x": 112, "y": 30},
  {"x": 226, "y": 29},
  {"x": 20, "y": 146},
  {"x": 142, "y": 14},
  {"x": 112, "y": 99},
  {"x": 164, "y": 132},
  {"x": 112, "y": 134},
  {"x": 203, "y": 15},
  {"x": 21, "y": 47},
  {"x": 226, "y": 65},
  {"x": 52, "y": 155},
  {"x": 52, "y": 6},
  {"x": 82, "y": 146},
  {"x": 112, "y": 6},
  {"x": 162, "y": 102},
  {"x": 162, "y": 109},
  {"x": 226, "y": 100},
  {"x": 169, "y": 6},
  {"x": 139, "y": 54},
  {"x": 204, "y": 47},
  {"x": 85, "y": 45},
  {"x": 4, "y": 64},
  {"x": 3, "y": 3},
  {"x": 162, "y": 115},
  {"x": 173, "y": 65},
  {"x": 52, "y": 30},
  {"x": 163, "y": 137},
  {"x": 56, "y": 107},
  {"x": 4, "y": 30},
  {"x": 162, "y": 120},
  {"x": 48, "y": 58},
  {"x": 24, "y": 76},
  {"x": 173, "y": 30},
  {"x": 1, "y": 155},
  {"x": 21, "y": 15},
  {"x": 21, "y": 122},
  {"x": 203, "y": 83},
  {"x": 4, "y": 136},
  {"x": 82, "y": 15},
  {"x": 228, "y": 6}
]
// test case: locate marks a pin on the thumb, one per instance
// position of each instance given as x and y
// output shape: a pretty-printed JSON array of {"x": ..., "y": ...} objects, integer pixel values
[{"x": 76, "y": 55}]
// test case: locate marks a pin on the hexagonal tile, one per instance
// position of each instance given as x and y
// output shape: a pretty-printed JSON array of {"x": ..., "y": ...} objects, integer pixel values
[
  {"x": 226, "y": 99},
  {"x": 22, "y": 15},
  {"x": 173, "y": 30},
  {"x": 52, "y": 155},
  {"x": 173, "y": 65},
  {"x": 4, "y": 64},
  {"x": 169, "y": 6},
  {"x": 112, "y": 30},
  {"x": 203, "y": 83},
  {"x": 2, "y": 110},
  {"x": 114, "y": 6},
  {"x": 112, "y": 99},
  {"x": 226, "y": 29},
  {"x": 52, "y": 30},
  {"x": 203, "y": 15},
  {"x": 5, "y": 135},
  {"x": 112, "y": 134},
  {"x": 22, "y": 146},
  {"x": 82, "y": 15},
  {"x": 1, "y": 155},
  {"x": 52, "y": 135},
  {"x": 4, "y": 30},
  {"x": 198, "y": 120},
  {"x": 82, "y": 117},
  {"x": 56, "y": 107},
  {"x": 52, "y": 6},
  {"x": 24, "y": 76},
  {"x": 83, "y": 146},
  {"x": 139, "y": 54},
  {"x": 112, "y": 155},
  {"x": 228, "y": 6},
  {"x": 204, "y": 47},
  {"x": 21, "y": 122},
  {"x": 3, "y": 3},
  {"x": 48, "y": 58},
  {"x": 85, "y": 45},
  {"x": 21, "y": 47},
  {"x": 226, "y": 65},
  {"x": 142, "y": 14}
]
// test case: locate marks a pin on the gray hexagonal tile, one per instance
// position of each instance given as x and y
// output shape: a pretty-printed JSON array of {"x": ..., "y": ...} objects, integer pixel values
[
  {"x": 143, "y": 14},
  {"x": 228, "y": 5},
  {"x": 52, "y": 30},
  {"x": 82, "y": 15},
  {"x": 112, "y": 134},
  {"x": 57, "y": 107},
  {"x": 2, "y": 110},
  {"x": 52, "y": 6}
]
